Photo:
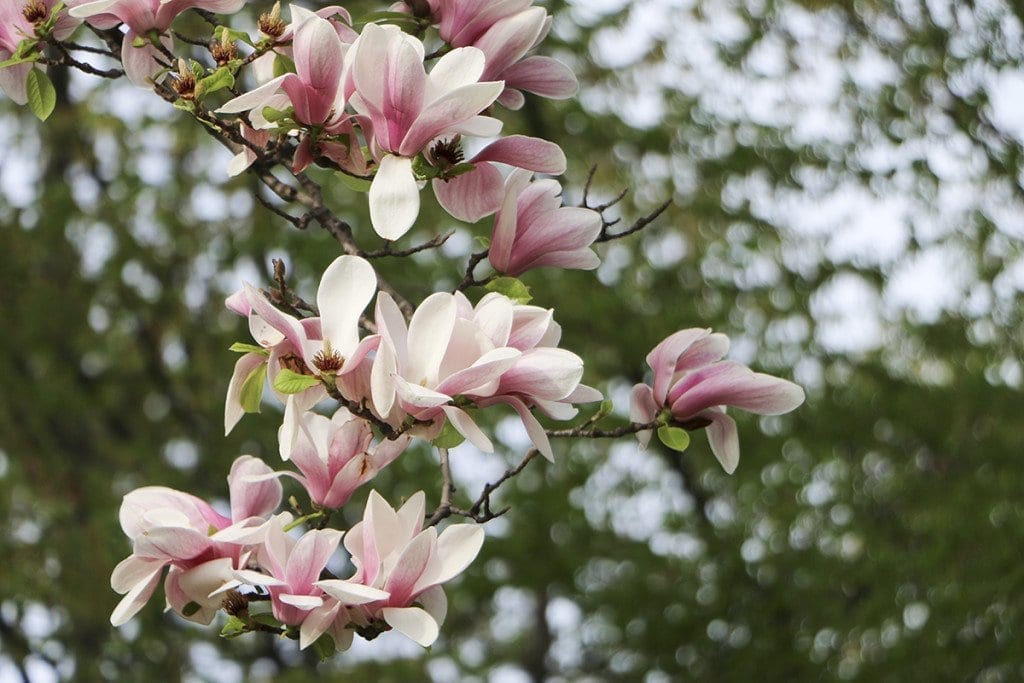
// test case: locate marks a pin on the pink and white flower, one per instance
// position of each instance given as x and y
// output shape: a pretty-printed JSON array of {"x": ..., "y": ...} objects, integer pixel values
[
  {"x": 173, "y": 528},
  {"x": 15, "y": 26},
  {"x": 336, "y": 456},
  {"x": 403, "y": 109},
  {"x": 393, "y": 553},
  {"x": 693, "y": 385},
  {"x": 141, "y": 17},
  {"x": 533, "y": 230}
]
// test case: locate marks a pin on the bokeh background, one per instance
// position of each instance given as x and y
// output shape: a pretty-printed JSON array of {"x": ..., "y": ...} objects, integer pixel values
[{"x": 848, "y": 206}]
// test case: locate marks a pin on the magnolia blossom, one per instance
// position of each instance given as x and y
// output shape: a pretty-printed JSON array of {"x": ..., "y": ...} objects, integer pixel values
[
  {"x": 328, "y": 346},
  {"x": 403, "y": 109},
  {"x": 141, "y": 17},
  {"x": 393, "y": 553},
  {"x": 173, "y": 528},
  {"x": 293, "y": 569},
  {"x": 471, "y": 196},
  {"x": 496, "y": 353},
  {"x": 313, "y": 92},
  {"x": 18, "y": 21},
  {"x": 505, "y": 30},
  {"x": 693, "y": 385},
  {"x": 336, "y": 456},
  {"x": 532, "y": 229}
]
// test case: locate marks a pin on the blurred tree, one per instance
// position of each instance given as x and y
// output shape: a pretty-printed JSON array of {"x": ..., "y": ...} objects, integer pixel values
[{"x": 848, "y": 197}]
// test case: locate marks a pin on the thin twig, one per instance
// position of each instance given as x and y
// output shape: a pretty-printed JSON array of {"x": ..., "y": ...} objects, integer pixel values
[
  {"x": 637, "y": 226},
  {"x": 469, "y": 279},
  {"x": 388, "y": 251},
  {"x": 444, "y": 508}
]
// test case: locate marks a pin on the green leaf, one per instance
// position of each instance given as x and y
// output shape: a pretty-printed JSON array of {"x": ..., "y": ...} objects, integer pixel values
[
  {"x": 675, "y": 438},
  {"x": 42, "y": 97},
  {"x": 449, "y": 437},
  {"x": 275, "y": 115},
  {"x": 252, "y": 389},
  {"x": 266, "y": 619},
  {"x": 190, "y": 608},
  {"x": 283, "y": 65},
  {"x": 240, "y": 347},
  {"x": 288, "y": 382},
  {"x": 19, "y": 58},
  {"x": 233, "y": 628},
  {"x": 233, "y": 34},
  {"x": 512, "y": 288},
  {"x": 354, "y": 183},
  {"x": 218, "y": 80},
  {"x": 324, "y": 647}
]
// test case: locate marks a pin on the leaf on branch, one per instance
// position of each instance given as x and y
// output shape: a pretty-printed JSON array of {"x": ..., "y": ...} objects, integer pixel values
[
  {"x": 42, "y": 97},
  {"x": 251, "y": 393},
  {"x": 218, "y": 80},
  {"x": 324, "y": 647},
  {"x": 240, "y": 347},
  {"x": 283, "y": 65},
  {"x": 449, "y": 437},
  {"x": 675, "y": 438},
  {"x": 233, "y": 34},
  {"x": 511, "y": 287},
  {"x": 288, "y": 382},
  {"x": 233, "y": 628}
]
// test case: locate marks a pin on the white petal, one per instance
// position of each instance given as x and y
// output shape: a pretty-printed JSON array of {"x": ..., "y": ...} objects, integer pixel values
[
  {"x": 413, "y": 622},
  {"x": 350, "y": 593},
  {"x": 394, "y": 197},
  {"x": 346, "y": 288}
]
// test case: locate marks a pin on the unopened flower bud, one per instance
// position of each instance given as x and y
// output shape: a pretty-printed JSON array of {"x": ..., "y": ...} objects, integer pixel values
[
  {"x": 185, "y": 82},
  {"x": 270, "y": 23},
  {"x": 224, "y": 50}
]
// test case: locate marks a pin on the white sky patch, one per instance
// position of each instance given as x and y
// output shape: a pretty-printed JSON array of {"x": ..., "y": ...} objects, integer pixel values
[
  {"x": 929, "y": 283},
  {"x": 847, "y": 311}
]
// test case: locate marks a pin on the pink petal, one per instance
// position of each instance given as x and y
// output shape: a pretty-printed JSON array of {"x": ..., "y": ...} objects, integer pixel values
[
  {"x": 546, "y": 373},
  {"x": 543, "y": 76},
  {"x": 140, "y": 63},
  {"x": 533, "y": 154},
  {"x": 486, "y": 369},
  {"x": 455, "y": 107},
  {"x": 12, "y": 79},
  {"x": 465, "y": 426},
  {"x": 252, "y": 495},
  {"x": 309, "y": 557},
  {"x": 663, "y": 358},
  {"x": 473, "y": 195},
  {"x": 509, "y": 39},
  {"x": 351, "y": 593},
  {"x": 409, "y": 566},
  {"x": 724, "y": 440}
]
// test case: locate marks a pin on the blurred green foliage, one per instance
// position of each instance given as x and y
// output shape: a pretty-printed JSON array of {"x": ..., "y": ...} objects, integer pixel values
[{"x": 872, "y": 535}]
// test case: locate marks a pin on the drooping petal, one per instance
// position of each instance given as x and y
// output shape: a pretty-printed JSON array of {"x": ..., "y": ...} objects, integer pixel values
[
  {"x": 473, "y": 195},
  {"x": 394, "y": 197},
  {"x": 140, "y": 63},
  {"x": 642, "y": 409},
  {"x": 542, "y": 76},
  {"x": 254, "y": 98},
  {"x": 133, "y": 570},
  {"x": 12, "y": 80},
  {"x": 135, "y": 599},
  {"x": 546, "y": 373},
  {"x": 413, "y": 622},
  {"x": 233, "y": 410},
  {"x": 724, "y": 439},
  {"x": 351, "y": 593},
  {"x": 465, "y": 425}
]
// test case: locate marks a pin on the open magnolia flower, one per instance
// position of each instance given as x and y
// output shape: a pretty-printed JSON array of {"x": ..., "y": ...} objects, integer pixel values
[
  {"x": 18, "y": 22},
  {"x": 403, "y": 109},
  {"x": 176, "y": 529},
  {"x": 393, "y": 553},
  {"x": 693, "y": 385}
]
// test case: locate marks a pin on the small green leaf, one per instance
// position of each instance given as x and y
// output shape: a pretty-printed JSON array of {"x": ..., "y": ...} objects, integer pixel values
[
  {"x": 252, "y": 389},
  {"x": 17, "y": 58},
  {"x": 190, "y": 608},
  {"x": 283, "y": 65},
  {"x": 288, "y": 382},
  {"x": 675, "y": 438},
  {"x": 240, "y": 347},
  {"x": 218, "y": 80},
  {"x": 354, "y": 183},
  {"x": 604, "y": 411},
  {"x": 266, "y": 619},
  {"x": 42, "y": 97},
  {"x": 233, "y": 628},
  {"x": 324, "y": 647},
  {"x": 140, "y": 42},
  {"x": 233, "y": 34},
  {"x": 512, "y": 288},
  {"x": 275, "y": 115},
  {"x": 449, "y": 437}
]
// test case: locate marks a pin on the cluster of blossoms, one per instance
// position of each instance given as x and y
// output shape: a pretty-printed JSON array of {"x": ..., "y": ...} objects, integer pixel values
[{"x": 363, "y": 104}]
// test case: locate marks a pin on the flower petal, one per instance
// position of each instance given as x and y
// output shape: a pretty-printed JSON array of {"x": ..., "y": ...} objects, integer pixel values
[
  {"x": 394, "y": 197},
  {"x": 346, "y": 288},
  {"x": 413, "y": 622}
]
